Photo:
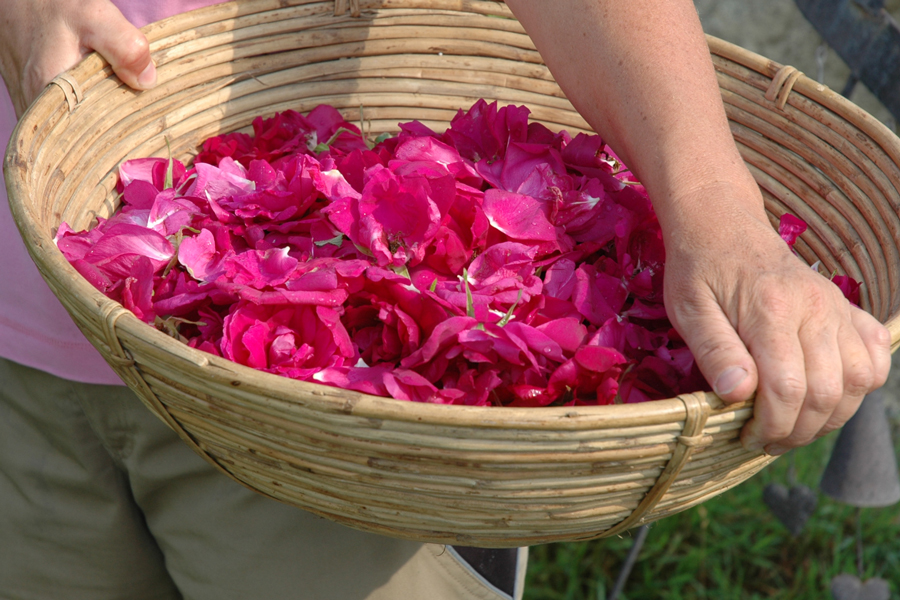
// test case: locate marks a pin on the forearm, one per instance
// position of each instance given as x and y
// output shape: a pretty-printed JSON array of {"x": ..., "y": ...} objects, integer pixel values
[{"x": 640, "y": 72}]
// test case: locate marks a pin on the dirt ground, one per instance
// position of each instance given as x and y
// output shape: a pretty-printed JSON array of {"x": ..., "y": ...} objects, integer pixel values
[{"x": 778, "y": 30}]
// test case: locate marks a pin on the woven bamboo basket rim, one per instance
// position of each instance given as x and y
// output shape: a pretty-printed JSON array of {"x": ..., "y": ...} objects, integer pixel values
[{"x": 357, "y": 458}]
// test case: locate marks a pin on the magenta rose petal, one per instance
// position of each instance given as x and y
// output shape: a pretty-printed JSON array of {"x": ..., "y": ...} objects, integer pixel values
[
  {"x": 409, "y": 385},
  {"x": 200, "y": 256},
  {"x": 368, "y": 380},
  {"x": 790, "y": 228},
  {"x": 849, "y": 287},
  {"x": 520, "y": 217},
  {"x": 598, "y": 296},
  {"x": 568, "y": 333}
]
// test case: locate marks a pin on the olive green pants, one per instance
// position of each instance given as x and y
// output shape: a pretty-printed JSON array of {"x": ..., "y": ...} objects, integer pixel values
[{"x": 100, "y": 500}]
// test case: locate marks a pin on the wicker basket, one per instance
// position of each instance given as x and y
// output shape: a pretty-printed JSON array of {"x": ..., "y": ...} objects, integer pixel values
[{"x": 477, "y": 476}]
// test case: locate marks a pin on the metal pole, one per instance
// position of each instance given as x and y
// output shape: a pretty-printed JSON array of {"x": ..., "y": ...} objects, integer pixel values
[
  {"x": 629, "y": 561},
  {"x": 859, "y": 543}
]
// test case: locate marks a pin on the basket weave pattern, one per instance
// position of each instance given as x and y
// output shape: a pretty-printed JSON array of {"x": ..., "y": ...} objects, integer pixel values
[{"x": 478, "y": 476}]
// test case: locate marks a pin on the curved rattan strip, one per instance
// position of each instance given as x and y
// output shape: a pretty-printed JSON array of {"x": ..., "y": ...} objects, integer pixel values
[
  {"x": 402, "y": 26},
  {"x": 440, "y": 93},
  {"x": 783, "y": 200},
  {"x": 478, "y": 485},
  {"x": 463, "y": 469},
  {"x": 876, "y": 217},
  {"x": 856, "y": 168},
  {"x": 70, "y": 88},
  {"x": 840, "y": 228},
  {"x": 837, "y": 220},
  {"x": 809, "y": 252},
  {"x": 881, "y": 137},
  {"x": 758, "y": 153},
  {"x": 433, "y": 488},
  {"x": 838, "y": 133},
  {"x": 111, "y": 312},
  {"x": 834, "y": 164},
  {"x": 402, "y": 504},
  {"x": 832, "y": 117},
  {"x": 828, "y": 251},
  {"x": 617, "y": 444},
  {"x": 696, "y": 414},
  {"x": 114, "y": 131},
  {"x": 500, "y": 439},
  {"x": 845, "y": 245},
  {"x": 264, "y": 389},
  {"x": 882, "y": 212},
  {"x": 487, "y": 455},
  {"x": 167, "y": 41},
  {"x": 44, "y": 116},
  {"x": 774, "y": 89}
]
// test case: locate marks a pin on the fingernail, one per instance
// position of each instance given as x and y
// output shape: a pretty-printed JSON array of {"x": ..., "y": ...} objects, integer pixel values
[
  {"x": 729, "y": 380},
  {"x": 776, "y": 450},
  {"x": 147, "y": 78}
]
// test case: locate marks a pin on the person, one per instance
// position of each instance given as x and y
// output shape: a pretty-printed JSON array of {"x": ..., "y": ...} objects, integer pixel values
[{"x": 98, "y": 499}]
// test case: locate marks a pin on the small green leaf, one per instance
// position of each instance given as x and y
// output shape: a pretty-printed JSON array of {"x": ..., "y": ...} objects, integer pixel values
[
  {"x": 470, "y": 303},
  {"x": 402, "y": 270},
  {"x": 325, "y": 146},
  {"x": 335, "y": 241},
  {"x": 509, "y": 313},
  {"x": 170, "y": 167}
]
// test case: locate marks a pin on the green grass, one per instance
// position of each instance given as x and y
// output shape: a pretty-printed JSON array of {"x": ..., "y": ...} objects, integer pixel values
[{"x": 730, "y": 548}]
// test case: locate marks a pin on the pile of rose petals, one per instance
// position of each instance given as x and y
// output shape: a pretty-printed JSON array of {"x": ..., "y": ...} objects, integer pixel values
[{"x": 498, "y": 263}]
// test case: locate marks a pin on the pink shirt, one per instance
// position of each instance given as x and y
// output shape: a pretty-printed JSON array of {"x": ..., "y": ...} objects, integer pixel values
[{"x": 35, "y": 329}]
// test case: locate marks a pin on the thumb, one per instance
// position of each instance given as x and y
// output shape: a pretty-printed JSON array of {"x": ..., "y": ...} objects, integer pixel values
[
  {"x": 720, "y": 354},
  {"x": 122, "y": 44}
]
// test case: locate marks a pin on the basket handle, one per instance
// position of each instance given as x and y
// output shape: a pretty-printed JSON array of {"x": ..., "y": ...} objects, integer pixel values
[{"x": 340, "y": 7}]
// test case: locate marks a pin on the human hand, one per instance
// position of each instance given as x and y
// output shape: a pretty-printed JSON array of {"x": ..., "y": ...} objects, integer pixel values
[
  {"x": 42, "y": 38},
  {"x": 757, "y": 318}
]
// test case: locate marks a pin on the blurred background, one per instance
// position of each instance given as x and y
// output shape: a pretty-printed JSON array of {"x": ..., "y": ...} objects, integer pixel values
[{"x": 734, "y": 546}]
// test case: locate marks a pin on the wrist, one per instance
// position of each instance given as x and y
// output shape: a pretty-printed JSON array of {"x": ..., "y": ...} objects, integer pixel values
[{"x": 705, "y": 195}]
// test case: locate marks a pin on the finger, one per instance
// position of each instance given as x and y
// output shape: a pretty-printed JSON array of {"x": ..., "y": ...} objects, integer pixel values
[
  {"x": 877, "y": 340},
  {"x": 718, "y": 350},
  {"x": 828, "y": 359},
  {"x": 126, "y": 49},
  {"x": 776, "y": 347},
  {"x": 862, "y": 373}
]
